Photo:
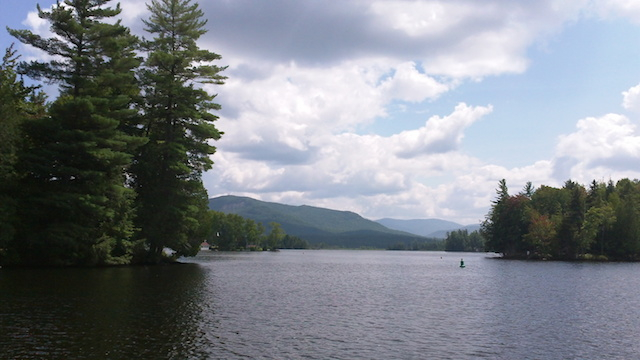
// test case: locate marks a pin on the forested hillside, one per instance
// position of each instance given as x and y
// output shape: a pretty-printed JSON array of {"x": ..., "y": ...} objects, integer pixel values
[{"x": 316, "y": 225}]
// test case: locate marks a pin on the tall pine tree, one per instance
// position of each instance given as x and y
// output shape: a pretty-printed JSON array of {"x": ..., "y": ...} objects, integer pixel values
[
  {"x": 76, "y": 209},
  {"x": 172, "y": 202},
  {"x": 18, "y": 103}
]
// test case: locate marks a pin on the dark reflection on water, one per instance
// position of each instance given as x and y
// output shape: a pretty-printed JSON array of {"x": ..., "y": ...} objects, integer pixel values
[
  {"x": 324, "y": 305},
  {"x": 116, "y": 313}
]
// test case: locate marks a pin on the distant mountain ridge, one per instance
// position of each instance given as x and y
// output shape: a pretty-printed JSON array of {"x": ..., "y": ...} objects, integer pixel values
[
  {"x": 316, "y": 225},
  {"x": 432, "y": 228},
  {"x": 442, "y": 234}
]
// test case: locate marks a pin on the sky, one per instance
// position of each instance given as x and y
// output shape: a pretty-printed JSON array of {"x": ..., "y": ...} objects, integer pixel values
[{"x": 412, "y": 109}]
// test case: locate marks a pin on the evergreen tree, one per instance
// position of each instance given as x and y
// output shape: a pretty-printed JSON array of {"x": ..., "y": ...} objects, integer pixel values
[
  {"x": 571, "y": 241},
  {"x": 568, "y": 223},
  {"x": 178, "y": 121},
  {"x": 528, "y": 190},
  {"x": 475, "y": 242},
  {"x": 598, "y": 221},
  {"x": 294, "y": 242},
  {"x": 625, "y": 242},
  {"x": 492, "y": 228},
  {"x": 17, "y": 103},
  {"x": 76, "y": 209},
  {"x": 12, "y": 96},
  {"x": 455, "y": 240},
  {"x": 507, "y": 223}
]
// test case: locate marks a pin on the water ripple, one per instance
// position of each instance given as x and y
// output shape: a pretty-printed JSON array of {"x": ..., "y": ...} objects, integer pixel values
[{"x": 324, "y": 305}]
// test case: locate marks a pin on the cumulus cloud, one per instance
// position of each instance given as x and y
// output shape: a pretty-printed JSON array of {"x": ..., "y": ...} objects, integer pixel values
[
  {"x": 307, "y": 78},
  {"x": 603, "y": 147},
  {"x": 617, "y": 8},
  {"x": 452, "y": 38},
  {"x": 37, "y": 25},
  {"x": 360, "y": 170},
  {"x": 631, "y": 99},
  {"x": 280, "y": 117},
  {"x": 439, "y": 134},
  {"x": 409, "y": 84}
]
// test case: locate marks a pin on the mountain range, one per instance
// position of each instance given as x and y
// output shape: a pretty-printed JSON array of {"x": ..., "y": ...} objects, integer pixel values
[
  {"x": 332, "y": 227},
  {"x": 433, "y": 228}
]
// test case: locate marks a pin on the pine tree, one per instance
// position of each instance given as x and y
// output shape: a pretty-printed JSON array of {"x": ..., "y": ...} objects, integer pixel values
[
  {"x": 172, "y": 201},
  {"x": 493, "y": 226},
  {"x": 77, "y": 209},
  {"x": 569, "y": 236},
  {"x": 625, "y": 239},
  {"x": 507, "y": 223},
  {"x": 18, "y": 102}
]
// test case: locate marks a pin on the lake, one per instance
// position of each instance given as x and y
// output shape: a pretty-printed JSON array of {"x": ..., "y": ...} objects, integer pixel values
[{"x": 321, "y": 304}]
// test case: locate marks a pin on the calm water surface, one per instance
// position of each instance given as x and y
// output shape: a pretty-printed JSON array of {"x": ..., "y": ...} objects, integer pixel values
[{"x": 324, "y": 305}]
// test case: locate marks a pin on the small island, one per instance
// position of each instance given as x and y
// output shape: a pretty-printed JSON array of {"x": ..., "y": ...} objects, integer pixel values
[{"x": 599, "y": 223}]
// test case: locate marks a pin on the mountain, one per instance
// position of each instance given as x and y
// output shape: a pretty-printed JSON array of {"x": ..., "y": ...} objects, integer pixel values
[
  {"x": 442, "y": 234},
  {"x": 433, "y": 228},
  {"x": 316, "y": 225}
]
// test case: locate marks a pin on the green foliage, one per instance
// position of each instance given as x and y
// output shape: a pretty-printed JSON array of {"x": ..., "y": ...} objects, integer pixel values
[
  {"x": 461, "y": 240},
  {"x": 506, "y": 223},
  {"x": 13, "y": 110},
  {"x": 93, "y": 57},
  {"x": 18, "y": 103},
  {"x": 83, "y": 161},
  {"x": 293, "y": 242},
  {"x": 172, "y": 201},
  {"x": 75, "y": 209},
  {"x": 275, "y": 236},
  {"x": 568, "y": 223},
  {"x": 541, "y": 234},
  {"x": 335, "y": 229},
  {"x": 231, "y": 232}
]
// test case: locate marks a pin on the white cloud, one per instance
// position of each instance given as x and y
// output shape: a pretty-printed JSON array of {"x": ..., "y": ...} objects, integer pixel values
[
  {"x": 409, "y": 84},
  {"x": 629, "y": 9},
  {"x": 291, "y": 127},
  {"x": 598, "y": 138},
  {"x": 307, "y": 78},
  {"x": 280, "y": 115},
  {"x": 357, "y": 171},
  {"x": 601, "y": 148},
  {"x": 459, "y": 39},
  {"x": 415, "y": 18},
  {"x": 300, "y": 117},
  {"x": 37, "y": 25},
  {"x": 132, "y": 12},
  {"x": 631, "y": 99},
  {"x": 464, "y": 39},
  {"x": 439, "y": 134}
]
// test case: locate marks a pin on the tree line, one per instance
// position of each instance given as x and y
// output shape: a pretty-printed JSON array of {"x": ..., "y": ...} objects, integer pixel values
[
  {"x": 599, "y": 222},
  {"x": 108, "y": 172},
  {"x": 456, "y": 240},
  {"x": 232, "y": 232},
  {"x": 462, "y": 240}
]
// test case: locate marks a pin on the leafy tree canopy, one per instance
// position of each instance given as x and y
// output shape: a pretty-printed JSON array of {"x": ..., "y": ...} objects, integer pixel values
[{"x": 572, "y": 222}]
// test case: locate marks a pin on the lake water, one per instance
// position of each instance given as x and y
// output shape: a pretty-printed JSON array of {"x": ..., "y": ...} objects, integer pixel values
[{"x": 324, "y": 305}]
